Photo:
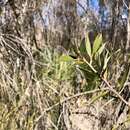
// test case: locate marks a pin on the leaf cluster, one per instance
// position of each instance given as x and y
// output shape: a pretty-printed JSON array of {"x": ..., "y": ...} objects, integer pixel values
[{"x": 92, "y": 60}]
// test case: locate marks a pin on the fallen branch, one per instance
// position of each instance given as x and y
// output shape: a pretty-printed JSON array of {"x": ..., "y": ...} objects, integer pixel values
[
  {"x": 114, "y": 91},
  {"x": 68, "y": 99}
]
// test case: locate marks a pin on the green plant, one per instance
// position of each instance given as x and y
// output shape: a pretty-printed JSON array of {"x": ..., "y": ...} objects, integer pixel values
[{"x": 91, "y": 60}]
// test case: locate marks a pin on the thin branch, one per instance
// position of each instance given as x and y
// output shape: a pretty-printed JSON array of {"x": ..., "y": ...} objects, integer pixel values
[
  {"x": 83, "y": 8},
  {"x": 125, "y": 4},
  {"x": 68, "y": 99},
  {"x": 115, "y": 92}
]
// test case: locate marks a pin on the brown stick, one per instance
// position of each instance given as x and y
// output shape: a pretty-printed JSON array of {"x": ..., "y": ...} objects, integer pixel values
[{"x": 114, "y": 91}]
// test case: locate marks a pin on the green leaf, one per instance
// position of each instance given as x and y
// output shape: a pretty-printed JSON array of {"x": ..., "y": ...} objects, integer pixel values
[
  {"x": 82, "y": 47},
  {"x": 106, "y": 60},
  {"x": 100, "y": 50},
  {"x": 97, "y": 43},
  {"x": 95, "y": 98},
  {"x": 66, "y": 58},
  {"x": 88, "y": 46}
]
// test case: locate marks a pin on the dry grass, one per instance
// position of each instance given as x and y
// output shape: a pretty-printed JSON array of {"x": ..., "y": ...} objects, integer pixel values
[
  {"x": 31, "y": 81},
  {"x": 38, "y": 92}
]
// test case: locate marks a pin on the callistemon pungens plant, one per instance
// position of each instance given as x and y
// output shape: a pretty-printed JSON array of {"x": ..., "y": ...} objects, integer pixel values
[{"x": 92, "y": 60}]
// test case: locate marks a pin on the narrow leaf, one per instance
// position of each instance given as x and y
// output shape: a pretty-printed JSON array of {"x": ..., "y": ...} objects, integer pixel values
[
  {"x": 97, "y": 43},
  {"x": 107, "y": 58},
  {"x": 88, "y": 46},
  {"x": 82, "y": 47},
  {"x": 101, "y": 49},
  {"x": 66, "y": 58}
]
